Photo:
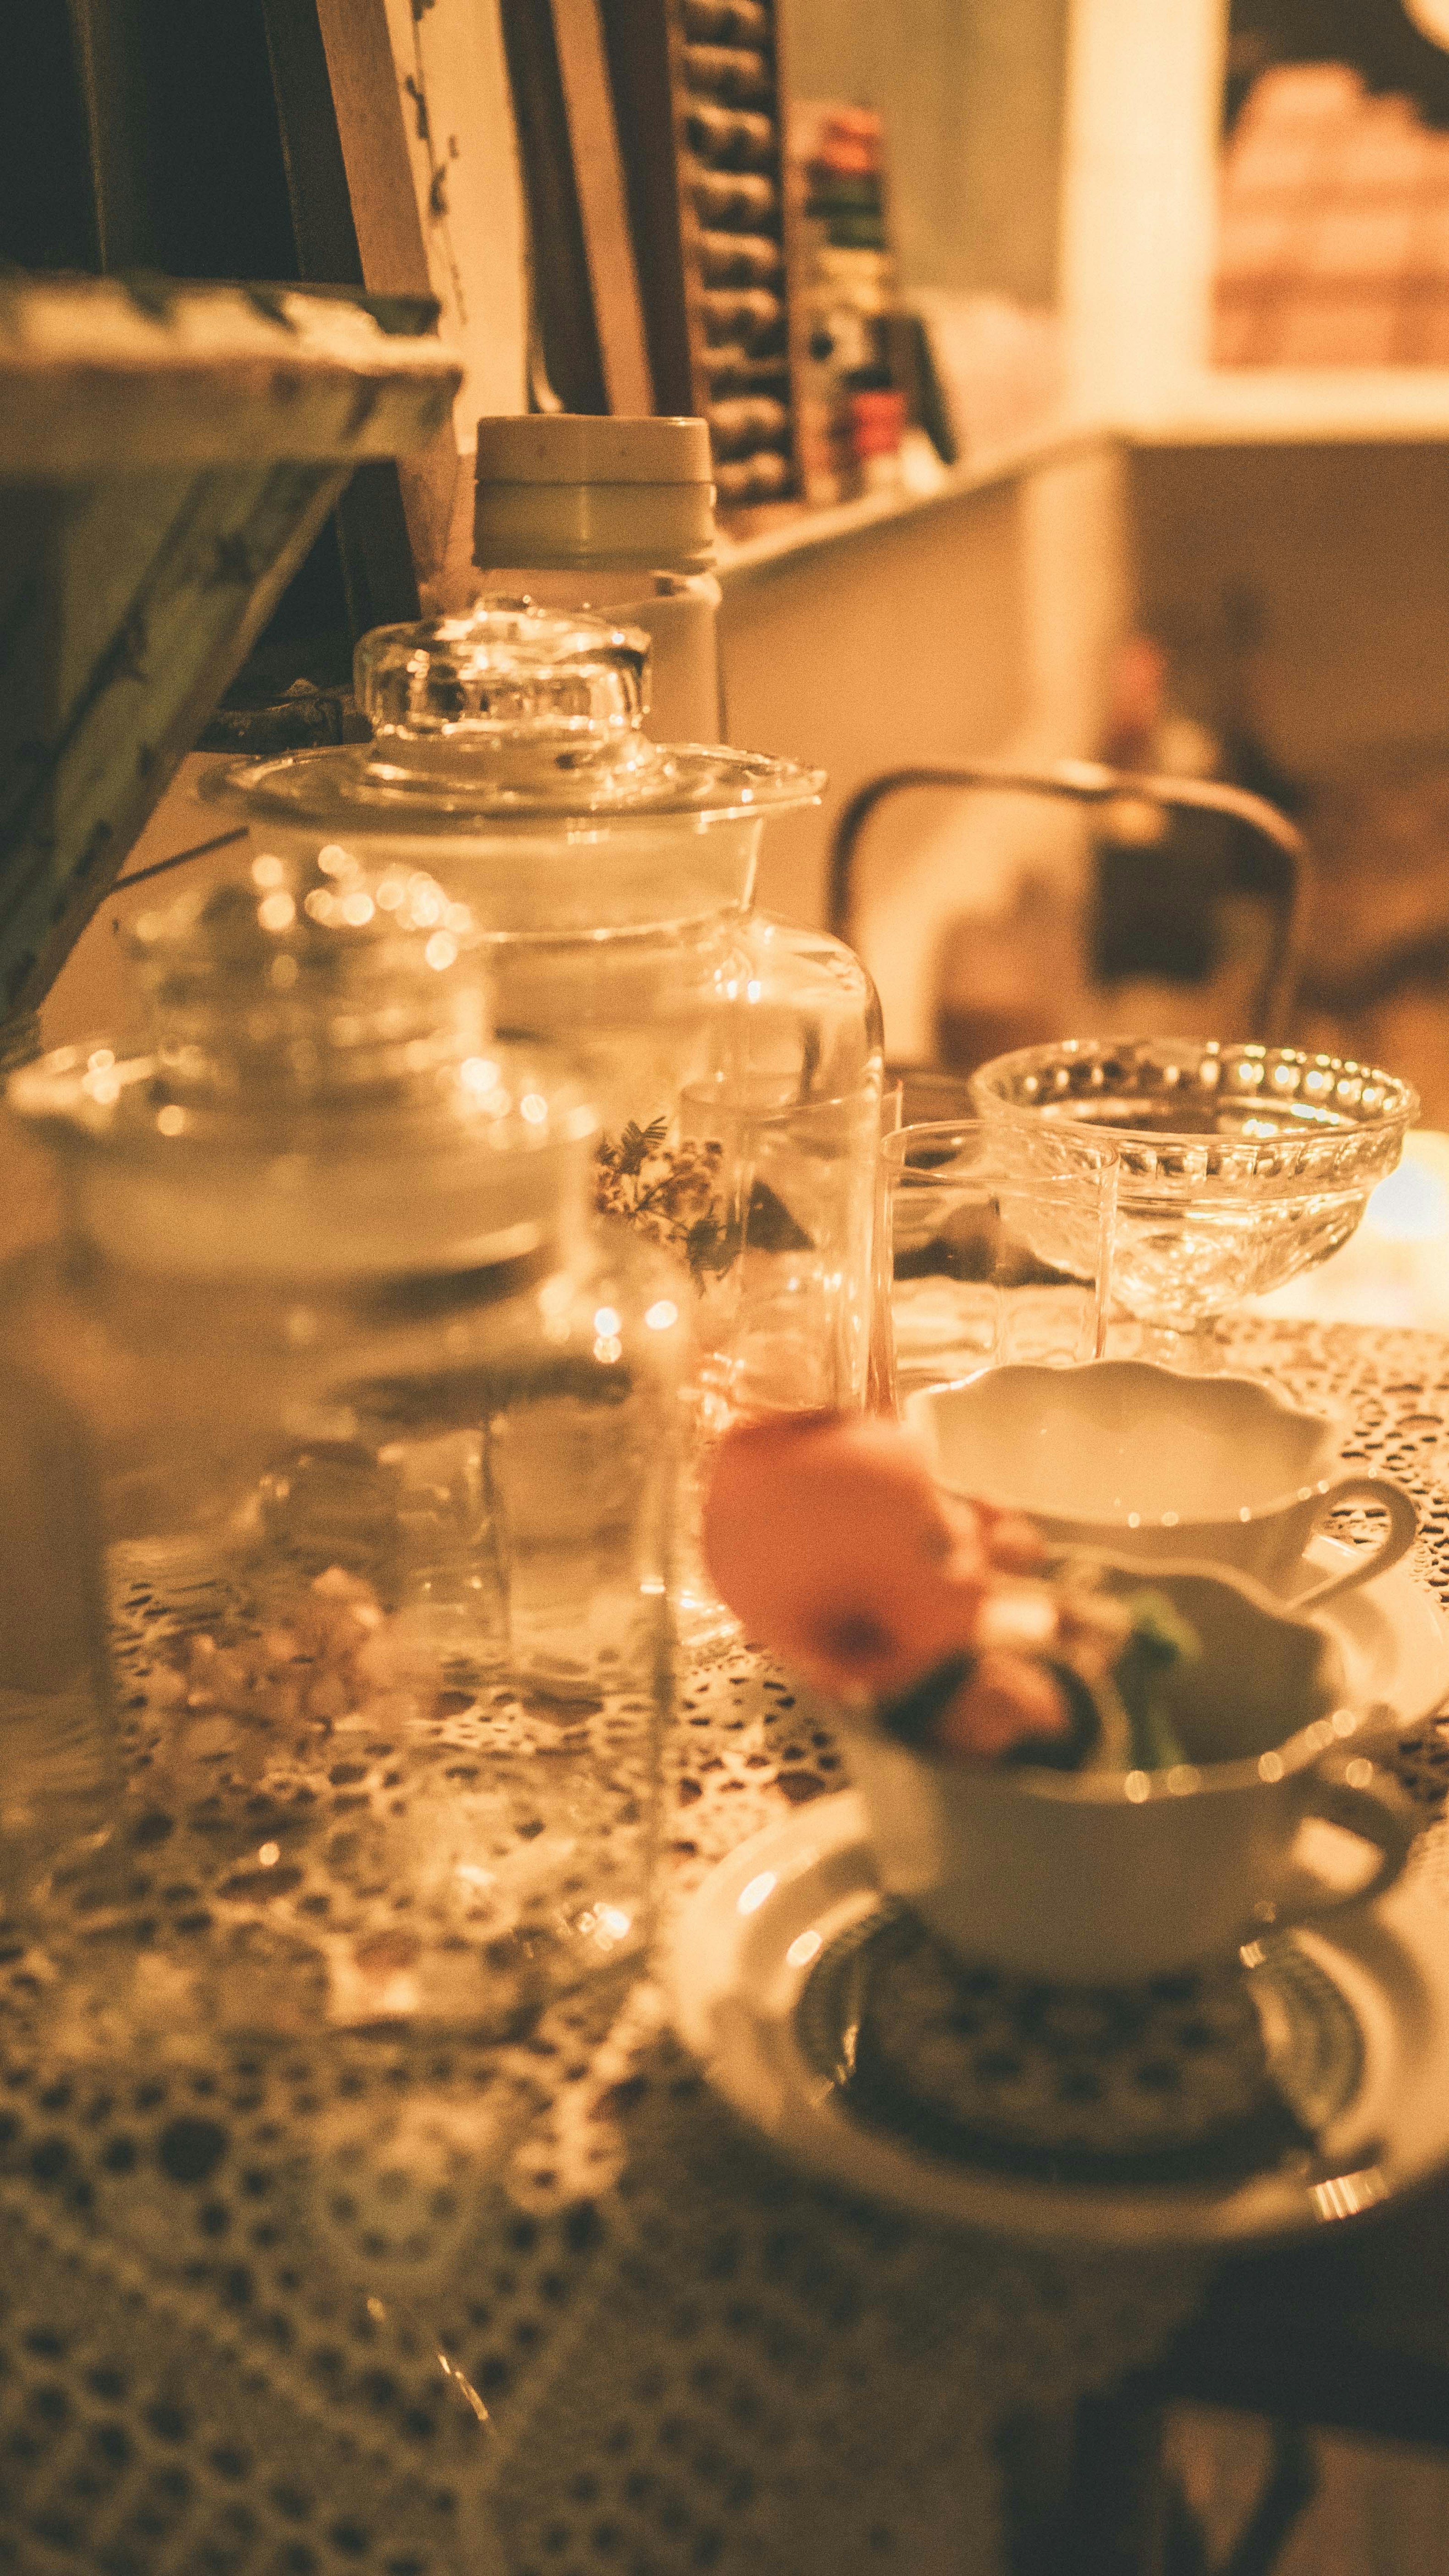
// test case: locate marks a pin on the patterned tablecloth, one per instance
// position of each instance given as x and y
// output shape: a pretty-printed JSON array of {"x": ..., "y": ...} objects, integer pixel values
[{"x": 344, "y": 2304}]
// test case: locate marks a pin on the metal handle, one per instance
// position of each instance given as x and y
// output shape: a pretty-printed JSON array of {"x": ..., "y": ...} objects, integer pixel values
[{"x": 1089, "y": 782}]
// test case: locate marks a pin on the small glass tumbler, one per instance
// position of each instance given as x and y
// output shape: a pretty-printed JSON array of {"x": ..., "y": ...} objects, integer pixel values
[
  {"x": 987, "y": 1258},
  {"x": 785, "y": 1295}
]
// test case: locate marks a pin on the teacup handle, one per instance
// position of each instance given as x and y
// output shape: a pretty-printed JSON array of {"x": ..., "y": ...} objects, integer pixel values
[
  {"x": 1396, "y": 1541},
  {"x": 1377, "y": 1810}
]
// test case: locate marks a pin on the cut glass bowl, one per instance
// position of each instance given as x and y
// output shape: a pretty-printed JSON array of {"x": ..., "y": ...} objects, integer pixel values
[{"x": 1238, "y": 1166}]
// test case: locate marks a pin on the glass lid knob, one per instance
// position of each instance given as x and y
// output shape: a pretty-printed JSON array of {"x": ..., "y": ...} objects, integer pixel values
[
  {"x": 518, "y": 690},
  {"x": 290, "y": 987}
]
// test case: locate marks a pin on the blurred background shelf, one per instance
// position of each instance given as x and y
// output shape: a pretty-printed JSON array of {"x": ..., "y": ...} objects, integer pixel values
[
  {"x": 800, "y": 530},
  {"x": 1274, "y": 405}
]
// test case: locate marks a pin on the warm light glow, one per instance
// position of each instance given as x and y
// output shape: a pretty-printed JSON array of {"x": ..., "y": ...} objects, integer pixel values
[
  {"x": 459, "y": 919},
  {"x": 1431, "y": 17},
  {"x": 101, "y": 1061},
  {"x": 334, "y": 861},
  {"x": 1347, "y": 2194},
  {"x": 357, "y": 909},
  {"x": 478, "y": 1073},
  {"x": 606, "y": 1322},
  {"x": 534, "y": 1108},
  {"x": 803, "y": 1949},
  {"x": 277, "y": 912},
  {"x": 269, "y": 1855},
  {"x": 171, "y": 1121},
  {"x": 267, "y": 871},
  {"x": 751, "y": 1898},
  {"x": 661, "y": 1315},
  {"x": 1411, "y": 1206},
  {"x": 441, "y": 950},
  {"x": 390, "y": 894},
  {"x": 463, "y": 2385}
]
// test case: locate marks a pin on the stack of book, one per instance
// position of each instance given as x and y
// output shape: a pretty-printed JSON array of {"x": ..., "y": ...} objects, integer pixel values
[{"x": 851, "y": 410}]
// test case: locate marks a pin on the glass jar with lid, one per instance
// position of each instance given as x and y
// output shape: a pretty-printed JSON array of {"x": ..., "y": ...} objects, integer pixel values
[
  {"x": 339, "y": 1436},
  {"x": 735, "y": 1060}
]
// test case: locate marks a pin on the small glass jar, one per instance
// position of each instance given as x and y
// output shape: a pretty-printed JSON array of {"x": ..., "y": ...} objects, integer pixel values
[
  {"x": 735, "y": 1060},
  {"x": 340, "y": 1436}
]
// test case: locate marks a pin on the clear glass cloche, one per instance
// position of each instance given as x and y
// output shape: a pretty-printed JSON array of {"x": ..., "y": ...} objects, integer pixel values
[
  {"x": 735, "y": 1060},
  {"x": 341, "y": 1438}
]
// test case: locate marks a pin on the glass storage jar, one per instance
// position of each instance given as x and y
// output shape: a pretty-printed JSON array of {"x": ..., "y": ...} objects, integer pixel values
[
  {"x": 337, "y": 1450},
  {"x": 735, "y": 1060}
]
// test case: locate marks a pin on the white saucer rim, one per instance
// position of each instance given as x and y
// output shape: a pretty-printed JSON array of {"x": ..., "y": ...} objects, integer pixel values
[
  {"x": 771, "y": 2086},
  {"x": 1395, "y": 1582}
]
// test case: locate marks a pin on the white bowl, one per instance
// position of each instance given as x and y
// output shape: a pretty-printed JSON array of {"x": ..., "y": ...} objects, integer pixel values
[
  {"x": 1132, "y": 1460},
  {"x": 1106, "y": 1878}
]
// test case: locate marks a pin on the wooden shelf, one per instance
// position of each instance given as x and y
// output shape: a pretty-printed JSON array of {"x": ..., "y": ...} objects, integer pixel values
[
  {"x": 1280, "y": 405},
  {"x": 801, "y": 531},
  {"x": 1266, "y": 406}
]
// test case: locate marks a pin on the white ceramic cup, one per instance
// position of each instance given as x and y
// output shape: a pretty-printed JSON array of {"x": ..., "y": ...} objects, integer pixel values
[
  {"x": 1134, "y": 1461},
  {"x": 1106, "y": 1878}
]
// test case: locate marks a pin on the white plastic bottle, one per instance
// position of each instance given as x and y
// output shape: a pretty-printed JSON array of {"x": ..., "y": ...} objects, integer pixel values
[{"x": 615, "y": 515}]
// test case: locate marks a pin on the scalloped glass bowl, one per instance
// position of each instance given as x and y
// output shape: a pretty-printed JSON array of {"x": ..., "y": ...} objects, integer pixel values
[{"x": 1238, "y": 1166}]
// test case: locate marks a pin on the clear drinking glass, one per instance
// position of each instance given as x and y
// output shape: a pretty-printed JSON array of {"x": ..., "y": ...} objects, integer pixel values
[
  {"x": 785, "y": 1310},
  {"x": 986, "y": 1259}
]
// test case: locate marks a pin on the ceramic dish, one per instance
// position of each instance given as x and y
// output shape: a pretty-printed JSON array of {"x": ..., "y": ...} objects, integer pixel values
[
  {"x": 1391, "y": 1634},
  {"x": 1111, "y": 1873},
  {"x": 1133, "y": 1460},
  {"x": 1355, "y": 2025}
]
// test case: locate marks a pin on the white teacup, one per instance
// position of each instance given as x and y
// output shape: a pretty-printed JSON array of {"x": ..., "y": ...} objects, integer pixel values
[
  {"x": 1107, "y": 1878},
  {"x": 1135, "y": 1461}
]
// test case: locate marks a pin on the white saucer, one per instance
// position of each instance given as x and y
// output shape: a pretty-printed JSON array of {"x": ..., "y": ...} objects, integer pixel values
[
  {"x": 749, "y": 1937},
  {"x": 1391, "y": 1633}
]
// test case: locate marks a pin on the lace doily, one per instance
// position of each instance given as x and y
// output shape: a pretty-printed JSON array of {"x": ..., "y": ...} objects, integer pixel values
[{"x": 542, "y": 2309}]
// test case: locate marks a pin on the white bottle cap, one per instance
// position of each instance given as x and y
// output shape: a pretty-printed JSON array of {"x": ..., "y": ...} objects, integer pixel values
[{"x": 566, "y": 491}]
